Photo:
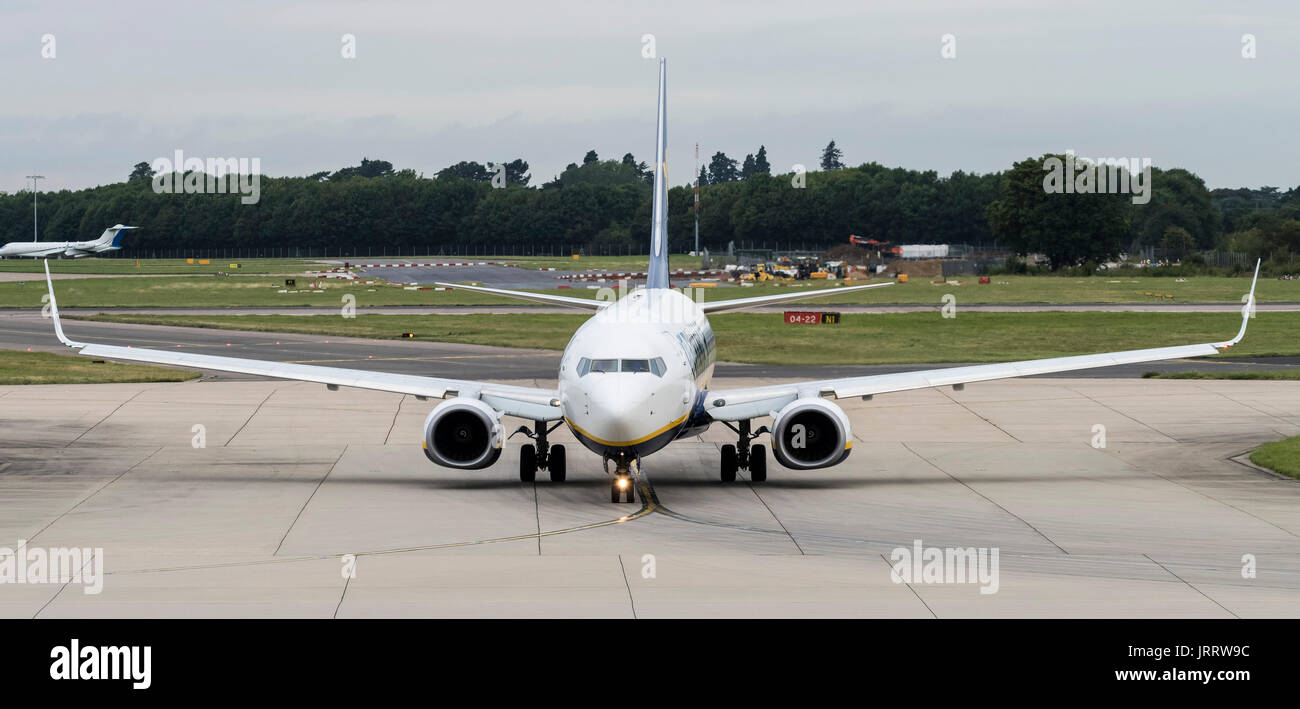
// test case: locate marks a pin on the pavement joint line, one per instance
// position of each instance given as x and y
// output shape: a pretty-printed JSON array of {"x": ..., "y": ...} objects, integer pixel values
[
  {"x": 1194, "y": 588},
  {"x": 1121, "y": 413},
  {"x": 1201, "y": 385},
  {"x": 537, "y": 515},
  {"x": 63, "y": 586},
  {"x": 982, "y": 417},
  {"x": 396, "y": 412},
  {"x": 774, "y": 517},
  {"x": 986, "y": 497},
  {"x": 1209, "y": 497},
  {"x": 309, "y": 499},
  {"x": 96, "y": 491},
  {"x": 107, "y": 416},
  {"x": 347, "y": 581},
  {"x": 244, "y": 425},
  {"x": 628, "y": 585},
  {"x": 910, "y": 588}
]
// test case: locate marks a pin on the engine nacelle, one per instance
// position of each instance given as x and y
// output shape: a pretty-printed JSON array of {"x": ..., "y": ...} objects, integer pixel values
[
  {"x": 463, "y": 433},
  {"x": 811, "y": 433}
]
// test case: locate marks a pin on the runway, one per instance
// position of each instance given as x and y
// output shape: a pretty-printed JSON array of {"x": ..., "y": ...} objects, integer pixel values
[
  {"x": 291, "y": 479},
  {"x": 20, "y": 330}
]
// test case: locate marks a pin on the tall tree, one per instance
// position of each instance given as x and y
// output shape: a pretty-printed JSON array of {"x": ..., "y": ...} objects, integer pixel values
[
  {"x": 722, "y": 169},
  {"x": 590, "y": 157},
  {"x": 517, "y": 172},
  {"x": 465, "y": 170},
  {"x": 831, "y": 157},
  {"x": 367, "y": 168},
  {"x": 761, "y": 166},
  {"x": 1070, "y": 229},
  {"x": 142, "y": 171},
  {"x": 748, "y": 168}
]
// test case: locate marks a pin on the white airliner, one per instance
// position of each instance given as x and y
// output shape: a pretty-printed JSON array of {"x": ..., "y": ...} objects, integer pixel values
[
  {"x": 636, "y": 377},
  {"x": 110, "y": 240}
]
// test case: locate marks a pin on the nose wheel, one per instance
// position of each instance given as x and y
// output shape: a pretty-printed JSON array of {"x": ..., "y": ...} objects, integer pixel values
[
  {"x": 742, "y": 456},
  {"x": 622, "y": 490},
  {"x": 539, "y": 456},
  {"x": 623, "y": 487}
]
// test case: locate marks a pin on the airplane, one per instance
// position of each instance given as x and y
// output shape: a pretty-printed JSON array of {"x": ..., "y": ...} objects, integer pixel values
[
  {"x": 110, "y": 240},
  {"x": 636, "y": 376}
]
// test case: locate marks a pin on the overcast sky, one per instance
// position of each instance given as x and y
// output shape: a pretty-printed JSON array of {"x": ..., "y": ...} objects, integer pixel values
[{"x": 438, "y": 82}]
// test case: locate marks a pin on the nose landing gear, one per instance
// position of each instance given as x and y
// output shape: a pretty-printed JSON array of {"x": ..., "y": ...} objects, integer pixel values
[
  {"x": 742, "y": 456},
  {"x": 623, "y": 485},
  {"x": 538, "y": 456}
]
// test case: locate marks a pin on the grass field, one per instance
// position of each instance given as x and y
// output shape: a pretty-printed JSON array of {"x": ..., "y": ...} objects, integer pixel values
[
  {"x": 1267, "y": 375},
  {"x": 49, "y": 368},
  {"x": 859, "y": 339},
  {"x": 1280, "y": 457},
  {"x": 254, "y": 291},
  {"x": 123, "y": 266}
]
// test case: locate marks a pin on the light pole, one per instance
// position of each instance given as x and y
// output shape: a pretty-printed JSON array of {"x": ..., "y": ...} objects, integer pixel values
[
  {"x": 697, "y": 199},
  {"x": 34, "y": 178}
]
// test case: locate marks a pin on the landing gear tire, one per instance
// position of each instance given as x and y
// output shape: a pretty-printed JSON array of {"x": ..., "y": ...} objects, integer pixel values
[
  {"x": 620, "y": 488},
  {"x": 730, "y": 464},
  {"x": 556, "y": 463},
  {"x": 527, "y": 463},
  {"x": 758, "y": 464}
]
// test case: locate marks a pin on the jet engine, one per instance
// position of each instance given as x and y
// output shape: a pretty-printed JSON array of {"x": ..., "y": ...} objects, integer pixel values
[
  {"x": 463, "y": 433},
  {"x": 811, "y": 433}
]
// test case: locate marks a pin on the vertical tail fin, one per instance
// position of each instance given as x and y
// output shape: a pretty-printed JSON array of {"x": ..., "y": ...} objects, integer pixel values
[
  {"x": 112, "y": 237},
  {"x": 657, "y": 274}
]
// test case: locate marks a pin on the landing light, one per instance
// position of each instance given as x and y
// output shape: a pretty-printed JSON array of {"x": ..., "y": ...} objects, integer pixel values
[{"x": 622, "y": 483}]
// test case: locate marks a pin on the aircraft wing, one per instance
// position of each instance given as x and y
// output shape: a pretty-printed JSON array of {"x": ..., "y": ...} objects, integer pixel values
[
  {"x": 564, "y": 300},
  {"x": 723, "y": 306},
  {"x": 738, "y": 404},
  {"x": 523, "y": 402}
]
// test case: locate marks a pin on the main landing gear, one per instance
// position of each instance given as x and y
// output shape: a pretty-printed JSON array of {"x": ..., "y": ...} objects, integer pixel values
[
  {"x": 742, "y": 456},
  {"x": 623, "y": 485},
  {"x": 537, "y": 456}
]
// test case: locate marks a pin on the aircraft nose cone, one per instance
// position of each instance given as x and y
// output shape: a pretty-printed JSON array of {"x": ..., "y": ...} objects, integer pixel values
[{"x": 617, "y": 413}]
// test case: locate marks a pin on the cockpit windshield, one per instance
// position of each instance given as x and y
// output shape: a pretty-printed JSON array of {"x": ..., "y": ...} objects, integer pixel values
[{"x": 655, "y": 366}]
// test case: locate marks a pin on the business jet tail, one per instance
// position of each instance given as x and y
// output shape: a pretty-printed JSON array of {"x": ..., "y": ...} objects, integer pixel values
[{"x": 112, "y": 237}]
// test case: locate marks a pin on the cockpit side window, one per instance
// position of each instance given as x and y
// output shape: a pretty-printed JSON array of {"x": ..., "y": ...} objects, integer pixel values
[
  {"x": 584, "y": 366},
  {"x": 657, "y": 366}
]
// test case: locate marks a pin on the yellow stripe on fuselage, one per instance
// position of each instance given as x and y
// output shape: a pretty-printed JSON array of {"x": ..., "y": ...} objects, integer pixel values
[{"x": 626, "y": 444}]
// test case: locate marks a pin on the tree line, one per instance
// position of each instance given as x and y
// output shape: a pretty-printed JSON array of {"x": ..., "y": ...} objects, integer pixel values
[{"x": 604, "y": 205}]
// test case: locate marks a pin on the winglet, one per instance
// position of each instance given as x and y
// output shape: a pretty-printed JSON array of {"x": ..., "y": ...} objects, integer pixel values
[
  {"x": 1247, "y": 310},
  {"x": 54, "y": 310},
  {"x": 657, "y": 271}
]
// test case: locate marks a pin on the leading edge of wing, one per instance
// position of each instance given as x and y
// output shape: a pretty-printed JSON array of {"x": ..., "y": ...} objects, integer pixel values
[
  {"x": 564, "y": 300},
  {"x": 736, "y": 404},
  {"x": 523, "y": 402},
  {"x": 723, "y": 306}
]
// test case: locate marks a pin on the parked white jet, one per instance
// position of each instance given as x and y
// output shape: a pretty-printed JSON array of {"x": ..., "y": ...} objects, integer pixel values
[
  {"x": 636, "y": 377},
  {"x": 110, "y": 240}
]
